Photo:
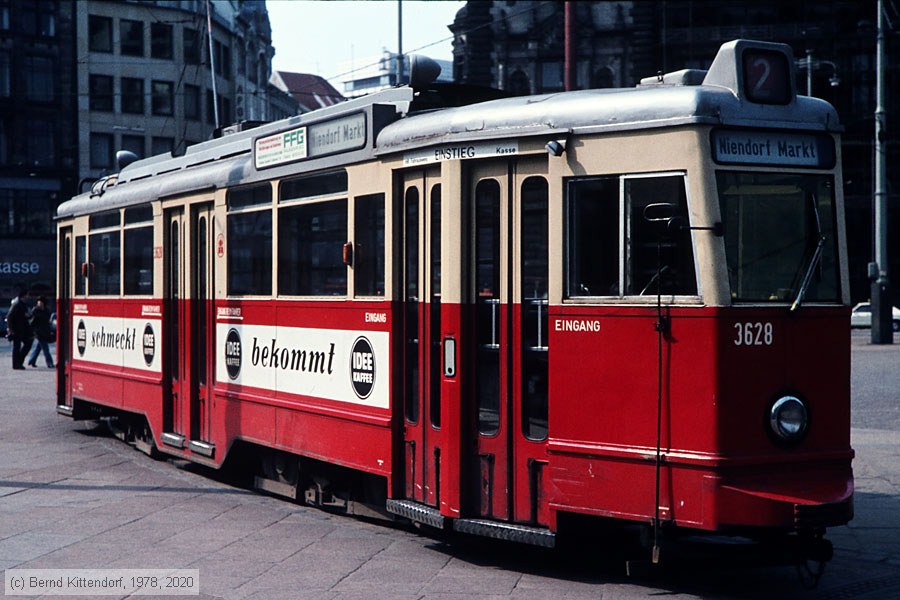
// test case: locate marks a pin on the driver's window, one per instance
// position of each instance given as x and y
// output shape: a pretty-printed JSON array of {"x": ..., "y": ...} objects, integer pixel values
[
  {"x": 659, "y": 257},
  {"x": 614, "y": 249}
]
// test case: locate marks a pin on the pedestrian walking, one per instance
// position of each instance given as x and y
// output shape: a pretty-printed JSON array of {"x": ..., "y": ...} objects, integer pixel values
[
  {"x": 40, "y": 326},
  {"x": 19, "y": 331}
]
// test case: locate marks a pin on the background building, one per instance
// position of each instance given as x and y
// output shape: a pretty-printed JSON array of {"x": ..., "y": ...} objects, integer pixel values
[
  {"x": 38, "y": 136},
  {"x": 310, "y": 92},
  {"x": 80, "y": 80},
  {"x": 148, "y": 83},
  {"x": 384, "y": 72},
  {"x": 518, "y": 46}
]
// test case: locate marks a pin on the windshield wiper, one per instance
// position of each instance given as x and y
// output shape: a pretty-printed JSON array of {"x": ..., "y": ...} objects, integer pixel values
[{"x": 814, "y": 259}]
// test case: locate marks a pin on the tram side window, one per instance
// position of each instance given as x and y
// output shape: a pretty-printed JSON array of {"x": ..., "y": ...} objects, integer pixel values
[
  {"x": 368, "y": 253},
  {"x": 137, "y": 246},
  {"x": 658, "y": 255},
  {"x": 138, "y": 261},
  {"x": 104, "y": 254},
  {"x": 613, "y": 249},
  {"x": 249, "y": 241},
  {"x": 311, "y": 240},
  {"x": 80, "y": 263},
  {"x": 105, "y": 257},
  {"x": 592, "y": 236}
]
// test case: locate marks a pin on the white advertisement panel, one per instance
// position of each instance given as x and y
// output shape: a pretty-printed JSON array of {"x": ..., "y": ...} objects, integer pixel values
[
  {"x": 334, "y": 364},
  {"x": 131, "y": 343}
]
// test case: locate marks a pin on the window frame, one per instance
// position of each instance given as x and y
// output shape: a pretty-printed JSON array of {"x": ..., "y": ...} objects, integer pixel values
[
  {"x": 624, "y": 241},
  {"x": 132, "y": 42},
  {"x": 110, "y": 155},
  {"x": 114, "y": 231},
  {"x": 142, "y": 226},
  {"x": 133, "y": 96},
  {"x": 256, "y": 205},
  {"x": 99, "y": 25},
  {"x": 332, "y": 193},
  {"x": 372, "y": 260},
  {"x": 99, "y": 100},
  {"x": 162, "y": 41},
  {"x": 162, "y": 102}
]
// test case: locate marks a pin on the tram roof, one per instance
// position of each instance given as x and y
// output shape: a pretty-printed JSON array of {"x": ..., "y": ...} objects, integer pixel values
[
  {"x": 598, "y": 111},
  {"x": 396, "y": 125}
]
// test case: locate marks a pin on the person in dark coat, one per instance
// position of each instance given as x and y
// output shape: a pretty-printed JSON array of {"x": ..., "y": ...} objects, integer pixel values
[
  {"x": 40, "y": 326},
  {"x": 19, "y": 331}
]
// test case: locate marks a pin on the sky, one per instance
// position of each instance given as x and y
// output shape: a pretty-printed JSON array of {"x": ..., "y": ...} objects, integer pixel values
[{"x": 325, "y": 37}]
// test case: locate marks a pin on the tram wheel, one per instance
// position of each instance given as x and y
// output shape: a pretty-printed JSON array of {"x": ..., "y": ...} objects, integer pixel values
[{"x": 143, "y": 439}]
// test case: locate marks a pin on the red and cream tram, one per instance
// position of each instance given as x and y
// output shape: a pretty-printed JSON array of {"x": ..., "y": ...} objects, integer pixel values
[{"x": 496, "y": 318}]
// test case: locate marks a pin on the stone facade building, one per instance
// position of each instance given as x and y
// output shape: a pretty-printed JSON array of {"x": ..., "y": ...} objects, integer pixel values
[
  {"x": 518, "y": 46},
  {"x": 82, "y": 79}
]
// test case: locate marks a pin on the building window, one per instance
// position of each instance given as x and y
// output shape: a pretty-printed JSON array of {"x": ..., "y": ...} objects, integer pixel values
[
  {"x": 132, "y": 95},
  {"x": 27, "y": 213},
  {"x": 39, "y": 78},
  {"x": 134, "y": 143},
  {"x": 47, "y": 19},
  {"x": 551, "y": 77},
  {"x": 223, "y": 107},
  {"x": 161, "y": 41},
  {"x": 162, "y": 145},
  {"x": 162, "y": 99},
  {"x": 225, "y": 115},
  {"x": 5, "y": 74},
  {"x": 99, "y": 34},
  {"x": 4, "y": 145},
  {"x": 223, "y": 59},
  {"x": 101, "y": 150},
  {"x": 191, "y": 46},
  {"x": 250, "y": 56},
  {"x": 39, "y": 18},
  {"x": 28, "y": 18},
  {"x": 40, "y": 149},
  {"x": 131, "y": 37},
  {"x": 101, "y": 92},
  {"x": 191, "y": 101}
]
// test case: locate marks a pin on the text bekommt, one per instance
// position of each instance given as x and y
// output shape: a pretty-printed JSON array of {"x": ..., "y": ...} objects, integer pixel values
[{"x": 273, "y": 356}]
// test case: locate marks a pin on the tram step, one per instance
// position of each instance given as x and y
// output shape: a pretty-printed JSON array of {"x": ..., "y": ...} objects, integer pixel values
[
  {"x": 202, "y": 448},
  {"x": 416, "y": 512},
  {"x": 512, "y": 532},
  {"x": 175, "y": 440}
]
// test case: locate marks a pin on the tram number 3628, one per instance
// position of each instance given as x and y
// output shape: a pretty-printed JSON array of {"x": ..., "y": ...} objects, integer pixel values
[{"x": 753, "y": 334}]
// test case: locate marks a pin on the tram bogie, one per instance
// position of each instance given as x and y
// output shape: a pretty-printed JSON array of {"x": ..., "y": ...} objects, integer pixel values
[{"x": 496, "y": 318}]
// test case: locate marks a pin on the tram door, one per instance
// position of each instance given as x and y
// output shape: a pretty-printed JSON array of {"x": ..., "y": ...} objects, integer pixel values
[
  {"x": 421, "y": 227},
  {"x": 202, "y": 329},
  {"x": 507, "y": 339},
  {"x": 63, "y": 319},
  {"x": 188, "y": 331}
]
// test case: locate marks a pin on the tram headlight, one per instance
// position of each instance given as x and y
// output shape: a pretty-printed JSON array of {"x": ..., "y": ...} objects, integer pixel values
[{"x": 789, "y": 418}]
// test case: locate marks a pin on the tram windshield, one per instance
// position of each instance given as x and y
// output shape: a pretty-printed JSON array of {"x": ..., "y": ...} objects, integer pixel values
[{"x": 780, "y": 236}]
